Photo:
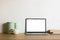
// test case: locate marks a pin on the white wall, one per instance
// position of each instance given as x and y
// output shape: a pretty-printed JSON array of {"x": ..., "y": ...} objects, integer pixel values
[{"x": 18, "y": 10}]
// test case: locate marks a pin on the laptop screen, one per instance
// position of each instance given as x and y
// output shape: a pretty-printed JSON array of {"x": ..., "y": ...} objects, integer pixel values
[{"x": 35, "y": 25}]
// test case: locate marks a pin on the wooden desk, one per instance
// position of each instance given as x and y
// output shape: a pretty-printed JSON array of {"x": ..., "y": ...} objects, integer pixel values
[{"x": 29, "y": 37}]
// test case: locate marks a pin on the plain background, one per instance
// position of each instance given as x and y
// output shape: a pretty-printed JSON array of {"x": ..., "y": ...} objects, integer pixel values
[{"x": 18, "y": 10}]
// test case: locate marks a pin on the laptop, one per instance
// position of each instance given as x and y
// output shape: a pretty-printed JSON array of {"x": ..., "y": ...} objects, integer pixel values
[{"x": 35, "y": 26}]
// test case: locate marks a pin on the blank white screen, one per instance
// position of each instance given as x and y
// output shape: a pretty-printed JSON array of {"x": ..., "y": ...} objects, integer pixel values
[{"x": 35, "y": 25}]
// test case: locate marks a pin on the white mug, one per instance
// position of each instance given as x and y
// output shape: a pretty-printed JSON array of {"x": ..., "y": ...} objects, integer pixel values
[{"x": 16, "y": 31}]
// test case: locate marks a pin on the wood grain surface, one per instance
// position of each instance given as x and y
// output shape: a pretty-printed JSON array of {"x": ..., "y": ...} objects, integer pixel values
[{"x": 29, "y": 37}]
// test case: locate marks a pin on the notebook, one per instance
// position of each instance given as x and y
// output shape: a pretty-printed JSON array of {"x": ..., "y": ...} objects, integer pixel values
[{"x": 35, "y": 26}]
